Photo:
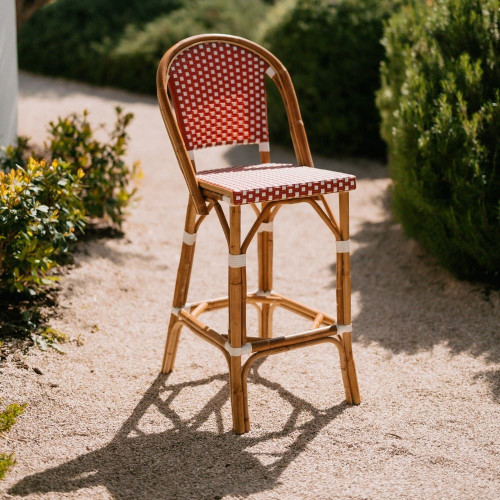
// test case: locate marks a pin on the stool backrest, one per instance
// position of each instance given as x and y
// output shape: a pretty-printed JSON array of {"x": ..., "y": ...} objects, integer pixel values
[
  {"x": 219, "y": 95},
  {"x": 217, "y": 87}
]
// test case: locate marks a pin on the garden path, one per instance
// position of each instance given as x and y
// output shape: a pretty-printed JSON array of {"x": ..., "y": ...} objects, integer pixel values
[{"x": 101, "y": 422}]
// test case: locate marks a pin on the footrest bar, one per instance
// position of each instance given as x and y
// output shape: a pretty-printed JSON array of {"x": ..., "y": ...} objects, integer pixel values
[
  {"x": 264, "y": 297},
  {"x": 200, "y": 328},
  {"x": 298, "y": 338}
]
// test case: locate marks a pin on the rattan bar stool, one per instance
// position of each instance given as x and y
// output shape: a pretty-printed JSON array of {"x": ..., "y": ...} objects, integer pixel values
[{"x": 217, "y": 88}]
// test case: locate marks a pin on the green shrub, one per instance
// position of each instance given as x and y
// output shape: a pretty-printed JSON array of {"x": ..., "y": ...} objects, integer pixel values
[
  {"x": 97, "y": 42},
  {"x": 74, "y": 39},
  {"x": 6, "y": 463},
  {"x": 136, "y": 56},
  {"x": 440, "y": 103},
  {"x": 332, "y": 51},
  {"x": 44, "y": 203},
  {"x": 15, "y": 154},
  {"x": 106, "y": 176},
  {"x": 8, "y": 418},
  {"x": 40, "y": 208}
]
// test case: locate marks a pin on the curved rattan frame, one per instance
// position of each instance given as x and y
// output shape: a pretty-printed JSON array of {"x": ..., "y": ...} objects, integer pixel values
[
  {"x": 323, "y": 328},
  {"x": 281, "y": 79}
]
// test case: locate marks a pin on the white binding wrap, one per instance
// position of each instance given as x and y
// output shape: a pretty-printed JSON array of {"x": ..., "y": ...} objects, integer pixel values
[
  {"x": 237, "y": 260},
  {"x": 266, "y": 227},
  {"x": 270, "y": 72},
  {"x": 343, "y": 246},
  {"x": 177, "y": 310},
  {"x": 344, "y": 328},
  {"x": 189, "y": 238},
  {"x": 264, "y": 146},
  {"x": 238, "y": 351}
]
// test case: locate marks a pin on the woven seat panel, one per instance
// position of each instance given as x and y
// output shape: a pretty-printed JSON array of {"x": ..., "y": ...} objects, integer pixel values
[
  {"x": 275, "y": 181},
  {"x": 219, "y": 95}
]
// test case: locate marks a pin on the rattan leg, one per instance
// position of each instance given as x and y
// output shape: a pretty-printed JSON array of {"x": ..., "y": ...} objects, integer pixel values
[
  {"x": 265, "y": 263},
  {"x": 344, "y": 304},
  {"x": 351, "y": 371},
  {"x": 237, "y": 319},
  {"x": 181, "y": 291}
]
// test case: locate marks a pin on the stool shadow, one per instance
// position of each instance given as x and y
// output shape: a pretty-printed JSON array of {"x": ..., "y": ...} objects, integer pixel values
[
  {"x": 409, "y": 303},
  {"x": 186, "y": 461}
]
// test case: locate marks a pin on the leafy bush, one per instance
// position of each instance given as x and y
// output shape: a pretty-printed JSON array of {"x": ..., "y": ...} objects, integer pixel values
[
  {"x": 332, "y": 51},
  {"x": 107, "y": 45},
  {"x": 106, "y": 176},
  {"x": 6, "y": 463},
  {"x": 15, "y": 155},
  {"x": 44, "y": 203},
  {"x": 75, "y": 39},
  {"x": 440, "y": 103},
  {"x": 40, "y": 209},
  {"x": 136, "y": 56},
  {"x": 8, "y": 418}
]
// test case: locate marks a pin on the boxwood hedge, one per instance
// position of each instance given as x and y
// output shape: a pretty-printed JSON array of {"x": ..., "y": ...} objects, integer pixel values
[
  {"x": 105, "y": 44},
  {"x": 333, "y": 53},
  {"x": 440, "y": 103}
]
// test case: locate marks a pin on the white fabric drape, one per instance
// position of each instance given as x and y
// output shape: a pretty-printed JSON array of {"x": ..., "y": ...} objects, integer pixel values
[{"x": 8, "y": 72}]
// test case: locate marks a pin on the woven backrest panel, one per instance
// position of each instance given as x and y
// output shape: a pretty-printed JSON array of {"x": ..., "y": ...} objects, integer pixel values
[{"x": 219, "y": 95}]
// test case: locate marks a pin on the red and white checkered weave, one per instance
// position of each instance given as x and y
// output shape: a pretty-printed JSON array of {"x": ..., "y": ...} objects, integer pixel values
[
  {"x": 275, "y": 181},
  {"x": 219, "y": 96}
]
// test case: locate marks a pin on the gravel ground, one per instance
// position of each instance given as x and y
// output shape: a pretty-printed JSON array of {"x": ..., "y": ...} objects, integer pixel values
[{"x": 102, "y": 423}]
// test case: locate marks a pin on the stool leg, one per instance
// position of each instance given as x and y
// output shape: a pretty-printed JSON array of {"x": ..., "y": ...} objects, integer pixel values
[
  {"x": 344, "y": 305},
  {"x": 265, "y": 266},
  {"x": 181, "y": 291},
  {"x": 237, "y": 321}
]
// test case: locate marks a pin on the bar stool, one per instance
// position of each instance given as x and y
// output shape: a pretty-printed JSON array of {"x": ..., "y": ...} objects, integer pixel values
[{"x": 217, "y": 88}]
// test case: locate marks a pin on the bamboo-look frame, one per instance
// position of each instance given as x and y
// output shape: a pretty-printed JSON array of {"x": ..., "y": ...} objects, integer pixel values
[
  {"x": 204, "y": 198},
  {"x": 282, "y": 80}
]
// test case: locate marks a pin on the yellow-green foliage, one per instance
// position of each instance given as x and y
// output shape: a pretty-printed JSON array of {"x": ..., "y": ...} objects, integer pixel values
[
  {"x": 8, "y": 418},
  {"x": 6, "y": 463},
  {"x": 107, "y": 178},
  {"x": 40, "y": 209}
]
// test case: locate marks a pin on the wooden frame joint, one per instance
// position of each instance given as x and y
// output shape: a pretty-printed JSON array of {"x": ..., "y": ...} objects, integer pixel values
[
  {"x": 266, "y": 227},
  {"x": 235, "y": 261},
  {"x": 270, "y": 72},
  {"x": 176, "y": 310},
  {"x": 189, "y": 238},
  {"x": 264, "y": 146},
  {"x": 343, "y": 246},
  {"x": 238, "y": 351},
  {"x": 344, "y": 328}
]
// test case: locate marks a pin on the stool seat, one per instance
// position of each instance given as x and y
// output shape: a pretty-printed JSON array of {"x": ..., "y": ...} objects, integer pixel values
[{"x": 273, "y": 181}]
